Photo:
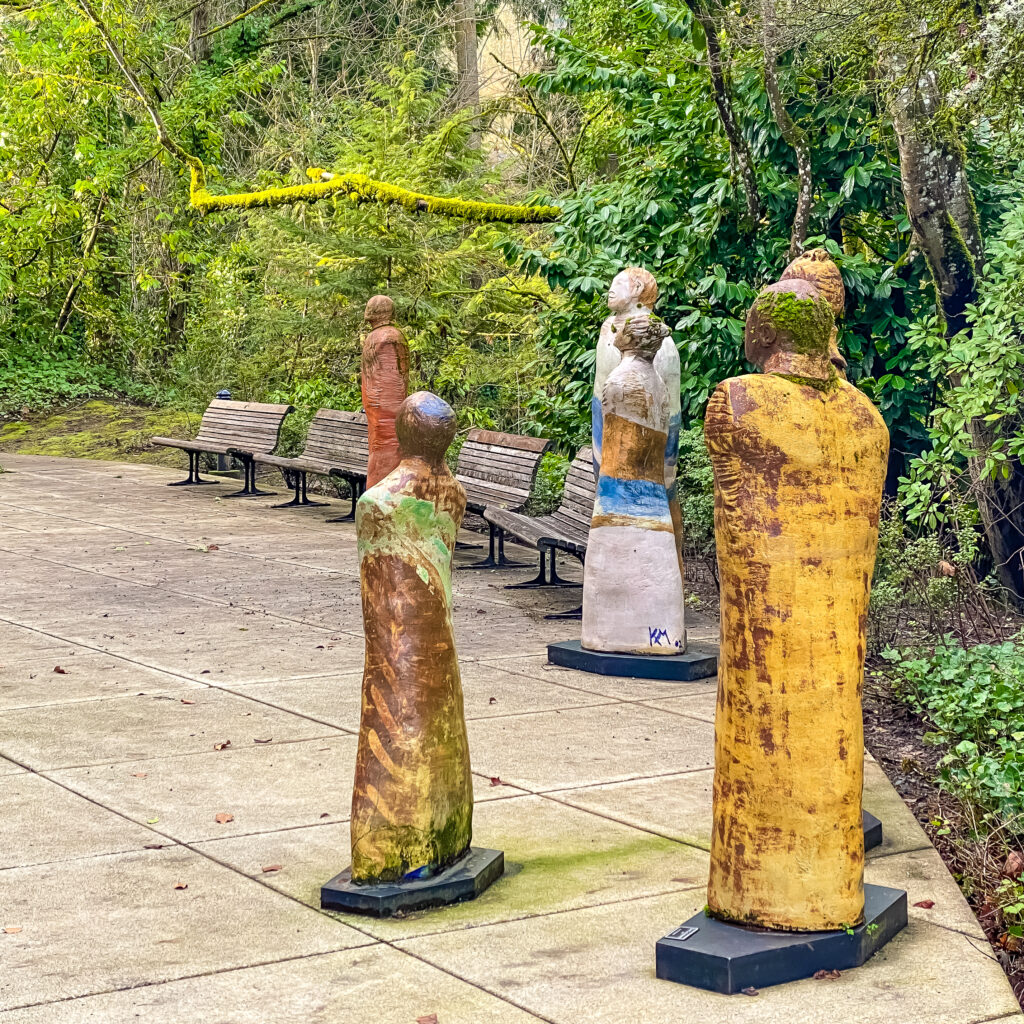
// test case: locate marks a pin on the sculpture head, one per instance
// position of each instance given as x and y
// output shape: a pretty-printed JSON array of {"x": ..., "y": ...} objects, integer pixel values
[
  {"x": 380, "y": 310},
  {"x": 819, "y": 268},
  {"x": 632, "y": 287},
  {"x": 788, "y": 330},
  {"x": 641, "y": 336},
  {"x": 426, "y": 426}
]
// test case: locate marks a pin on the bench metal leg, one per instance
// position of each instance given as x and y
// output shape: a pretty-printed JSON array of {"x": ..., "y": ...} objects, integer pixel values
[
  {"x": 496, "y": 560},
  {"x": 193, "y": 473},
  {"x": 542, "y": 579},
  {"x": 300, "y": 493},
  {"x": 573, "y": 613},
  {"x": 356, "y": 488},
  {"x": 250, "y": 490}
]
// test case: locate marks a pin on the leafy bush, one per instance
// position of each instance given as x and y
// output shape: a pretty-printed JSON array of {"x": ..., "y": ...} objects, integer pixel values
[{"x": 974, "y": 699}]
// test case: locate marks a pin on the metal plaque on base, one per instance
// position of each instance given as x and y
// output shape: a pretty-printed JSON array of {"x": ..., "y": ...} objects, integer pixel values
[
  {"x": 729, "y": 958},
  {"x": 700, "y": 661},
  {"x": 463, "y": 880}
]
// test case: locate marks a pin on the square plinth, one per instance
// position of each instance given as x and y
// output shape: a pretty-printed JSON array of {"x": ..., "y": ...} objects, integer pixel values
[
  {"x": 463, "y": 880},
  {"x": 699, "y": 661},
  {"x": 729, "y": 958},
  {"x": 872, "y": 831}
]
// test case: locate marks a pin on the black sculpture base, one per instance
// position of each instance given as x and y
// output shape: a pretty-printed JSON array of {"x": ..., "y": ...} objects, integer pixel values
[
  {"x": 464, "y": 880},
  {"x": 699, "y": 662},
  {"x": 872, "y": 831},
  {"x": 729, "y": 958}
]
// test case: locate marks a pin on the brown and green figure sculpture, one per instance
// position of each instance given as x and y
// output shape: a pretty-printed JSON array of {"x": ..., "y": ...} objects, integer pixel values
[
  {"x": 412, "y": 805},
  {"x": 799, "y": 458},
  {"x": 385, "y": 384}
]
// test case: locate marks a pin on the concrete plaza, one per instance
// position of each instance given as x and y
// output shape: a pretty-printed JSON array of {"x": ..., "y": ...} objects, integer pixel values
[{"x": 169, "y": 658}]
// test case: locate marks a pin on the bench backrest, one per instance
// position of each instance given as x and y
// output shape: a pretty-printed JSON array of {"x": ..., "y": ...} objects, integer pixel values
[
  {"x": 577, "y": 506},
  {"x": 499, "y": 469},
  {"x": 250, "y": 426},
  {"x": 340, "y": 438}
]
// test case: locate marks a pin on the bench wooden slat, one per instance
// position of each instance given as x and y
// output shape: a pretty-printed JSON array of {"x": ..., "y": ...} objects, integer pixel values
[
  {"x": 499, "y": 440},
  {"x": 569, "y": 526},
  {"x": 337, "y": 443}
]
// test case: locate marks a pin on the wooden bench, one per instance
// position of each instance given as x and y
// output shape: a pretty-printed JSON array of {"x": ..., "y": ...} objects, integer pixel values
[
  {"x": 497, "y": 471},
  {"x": 566, "y": 529},
  {"x": 239, "y": 429},
  {"x": 337, "y": 445}
]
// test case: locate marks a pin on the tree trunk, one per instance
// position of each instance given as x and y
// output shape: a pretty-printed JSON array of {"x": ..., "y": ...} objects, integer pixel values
[
  {"x": 468, "y": 87},
  {"x": 947, "y": 230},
  {"x": 200, "y": 44},
  {"x": 738, "y": 147},
  {"x": 793, "y": 135}
]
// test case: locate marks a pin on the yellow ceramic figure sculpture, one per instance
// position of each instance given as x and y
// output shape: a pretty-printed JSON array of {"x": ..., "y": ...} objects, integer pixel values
[{"x": 799, "y": 457}]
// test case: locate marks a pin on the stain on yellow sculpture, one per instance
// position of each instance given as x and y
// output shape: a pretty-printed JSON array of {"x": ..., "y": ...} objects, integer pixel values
[{"x": 799, "y": 458}]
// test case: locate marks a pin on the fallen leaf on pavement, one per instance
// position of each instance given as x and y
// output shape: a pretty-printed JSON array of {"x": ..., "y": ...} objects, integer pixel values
[
  {"x": 495, "y": 781},
  {"x": 267, "y": 740},
  {"x": 184, "y": 701},
  {"x": 152, "y": 821},
  {"x": 431, "y": 1018},
  {"x": 181, "y": 885},
  {"x": 751, "y": 991},
  {"x": 493, "y": 700},
  {"x": 223, "y": 818},
  {"x": 139, "y": 775},
  {"x": 153, "y": 846},
  {"x": 222, "y": 746},
  {"x": 325, "y": 815},
  {"x": 213, "y": 547},
  {"x": 13, "y": 929},
  {"x": 826, "y": 975},
  {"x": 268, "y": 868},
  {"x": 925, "y": 904},
  {"x": 60, "y": 671}
]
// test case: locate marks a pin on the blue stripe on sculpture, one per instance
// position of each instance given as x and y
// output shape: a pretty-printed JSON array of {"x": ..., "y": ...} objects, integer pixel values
[
  {"x": 630, "y": 498},
  {"x": 672, "y": 442},
  {"x": 597, "y": 431}
]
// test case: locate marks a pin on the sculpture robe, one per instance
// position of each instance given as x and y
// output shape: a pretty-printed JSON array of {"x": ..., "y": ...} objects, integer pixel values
[
  {"x": 632, "y": 586},
  {"x": 412, "y": 804},
  {"x": 798, "y": 487},
  {"x": 666, "y": 363},
  {"x": 385, "y": 386}
]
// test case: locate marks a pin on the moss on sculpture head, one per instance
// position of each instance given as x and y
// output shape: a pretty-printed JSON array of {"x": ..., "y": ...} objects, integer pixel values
[{"x": 789, "y": 316}]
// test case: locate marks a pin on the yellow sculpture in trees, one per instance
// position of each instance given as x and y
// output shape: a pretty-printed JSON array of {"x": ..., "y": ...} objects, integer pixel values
[{"x": 799, "y": 457}]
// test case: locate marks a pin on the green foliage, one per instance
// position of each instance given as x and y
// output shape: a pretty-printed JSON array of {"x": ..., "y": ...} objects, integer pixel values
[
  {"x": 697, "y": 497},
  {"x": 979, "y": 415},
  {"x": 974, "y": 699}
]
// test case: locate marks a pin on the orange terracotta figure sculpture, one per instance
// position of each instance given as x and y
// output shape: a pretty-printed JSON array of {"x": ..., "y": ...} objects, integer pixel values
[
  {"x": 632, "y": 586},
  {"x": 412, "y": 805},
  {"x": 820, "y": 269},
  {"x": 385, "y": 373},
  {"x": 799, "y": 458}
]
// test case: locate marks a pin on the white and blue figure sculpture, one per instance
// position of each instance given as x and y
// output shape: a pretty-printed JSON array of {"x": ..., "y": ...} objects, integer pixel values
[
  {"x": 632, "y": 294},
  {"x": 632, "y": 584}
]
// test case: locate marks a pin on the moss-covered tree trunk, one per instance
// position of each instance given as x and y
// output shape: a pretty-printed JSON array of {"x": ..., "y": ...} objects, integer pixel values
[{"x": 941, "y": 210}]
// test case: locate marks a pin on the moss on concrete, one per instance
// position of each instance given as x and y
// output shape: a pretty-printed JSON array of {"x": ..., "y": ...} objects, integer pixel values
[{"x": 100, "y": 430}]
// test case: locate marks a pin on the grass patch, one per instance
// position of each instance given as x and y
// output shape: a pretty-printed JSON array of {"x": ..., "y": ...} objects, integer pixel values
[{"x": 100, "y": 430}]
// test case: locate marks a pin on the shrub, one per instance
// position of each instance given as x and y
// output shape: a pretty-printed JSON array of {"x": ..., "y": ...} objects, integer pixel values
[{"x": 974, "y": 699}]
